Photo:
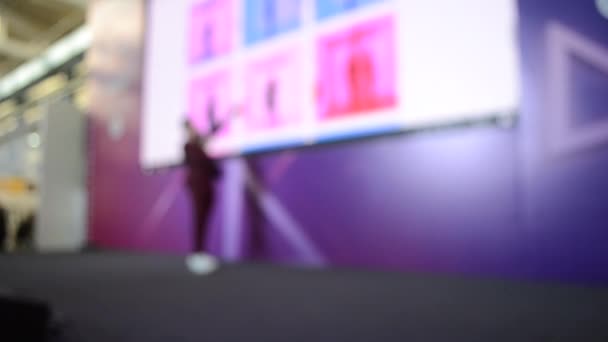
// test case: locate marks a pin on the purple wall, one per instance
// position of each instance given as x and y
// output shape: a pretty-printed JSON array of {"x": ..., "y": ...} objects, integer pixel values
[
  {"x": 479, "y": 200},
  {"x": 566, "y": 192}
]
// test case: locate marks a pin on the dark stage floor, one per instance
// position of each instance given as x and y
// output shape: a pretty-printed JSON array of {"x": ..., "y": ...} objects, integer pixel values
[{"x": 120, "y": 297}]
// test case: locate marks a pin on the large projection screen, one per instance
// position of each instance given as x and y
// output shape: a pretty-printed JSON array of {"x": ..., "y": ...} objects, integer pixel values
[{"x": 289, "y": 73}]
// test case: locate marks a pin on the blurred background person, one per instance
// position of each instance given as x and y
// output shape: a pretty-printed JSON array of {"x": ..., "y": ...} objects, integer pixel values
[
  {"x": 361, "y": 78},
  {"x": 19, "y": 205},
  {"x": 269, "y": 21},
  {"x": 2, "y": 229},
  {"x": 347, "y": 4},
  {"x": 208, "y": 38},
  {"x": 202, "y": 172},
  {"x": 271, "y": 99}
]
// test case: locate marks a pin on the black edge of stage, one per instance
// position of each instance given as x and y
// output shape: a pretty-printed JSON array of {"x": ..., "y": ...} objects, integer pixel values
[{"x": 124, "y": 297}]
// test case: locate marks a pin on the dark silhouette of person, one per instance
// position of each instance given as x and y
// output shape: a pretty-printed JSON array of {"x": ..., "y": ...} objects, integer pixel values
[
  {"x": 271, "y": 94},
  {"x": 211, "y": 116},
  {"x": 349, "y": 4},
  {"x": 255, "y": 214},
  {"x": 202, "y": 172},
  {"x": 3, "y": 228},
  {"x": 208, "y": 41},
  {"x": 25, "y": 233},
  {"x": 270, "y": 17}
]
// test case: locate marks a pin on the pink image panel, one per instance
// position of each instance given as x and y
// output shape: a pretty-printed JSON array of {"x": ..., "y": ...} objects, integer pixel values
[
  {"x": 357, "y": 70},
  {"x": 210, "y": 101},
  {"x": 274, "y": 93},
  {"x": 211, "y": 28}
]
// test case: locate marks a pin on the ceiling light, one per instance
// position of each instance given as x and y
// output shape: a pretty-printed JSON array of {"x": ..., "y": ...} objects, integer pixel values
[{"x": 33, "y": 140}]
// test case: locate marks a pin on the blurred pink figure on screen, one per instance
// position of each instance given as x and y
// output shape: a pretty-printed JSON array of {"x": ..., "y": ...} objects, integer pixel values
[
  {"x": 211, "y": 26},
  {"x": 273, "y": 93},
  {"x": 357, "y": 70},
  {"x": 210, "y": 102}
]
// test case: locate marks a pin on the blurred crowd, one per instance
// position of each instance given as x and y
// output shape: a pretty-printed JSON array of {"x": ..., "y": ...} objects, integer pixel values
[{"x": 18, "y": 207}]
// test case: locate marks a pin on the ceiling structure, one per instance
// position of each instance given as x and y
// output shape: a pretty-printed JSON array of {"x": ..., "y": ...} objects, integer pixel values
[{"x": 28, "y": 27}]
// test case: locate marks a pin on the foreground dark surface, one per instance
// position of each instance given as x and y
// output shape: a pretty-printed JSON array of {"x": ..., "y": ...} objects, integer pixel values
[{"x": 120, "y": 297}]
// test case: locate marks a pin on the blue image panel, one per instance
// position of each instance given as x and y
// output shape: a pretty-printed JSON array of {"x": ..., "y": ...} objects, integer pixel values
[
  {"x": 330, "y": 8},
  {"x": 265, "y": 19}
]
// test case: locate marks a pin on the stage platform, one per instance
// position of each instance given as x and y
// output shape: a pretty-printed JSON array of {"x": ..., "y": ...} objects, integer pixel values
[{"x": 121, "y": 297}]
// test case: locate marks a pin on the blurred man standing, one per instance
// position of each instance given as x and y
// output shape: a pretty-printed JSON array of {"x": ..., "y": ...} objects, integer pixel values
[{"x": 202, "y": 172}]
